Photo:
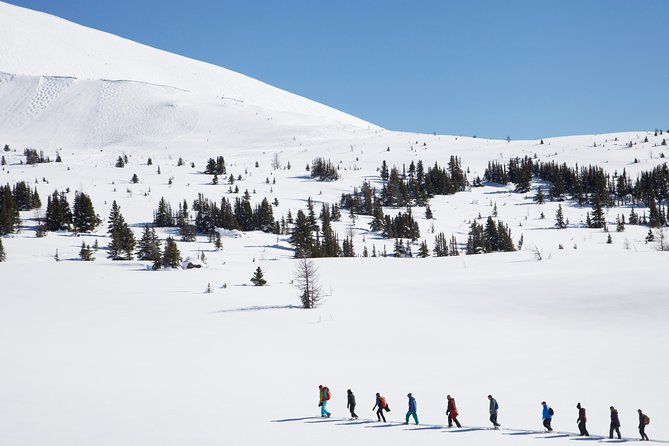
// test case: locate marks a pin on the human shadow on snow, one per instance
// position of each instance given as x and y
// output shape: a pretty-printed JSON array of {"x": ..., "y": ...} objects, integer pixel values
[
  {"x": 259, "y": 308},
  {"x": 286, "y": 420}
]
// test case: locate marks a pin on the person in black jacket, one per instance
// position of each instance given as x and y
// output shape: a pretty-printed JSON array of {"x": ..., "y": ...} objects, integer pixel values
[
  {"x": 351, "y": 404},
  {"x": 581, "y": 421},
  {"x": 642, "y": 426},
  {"x": 615, "y": 423}
]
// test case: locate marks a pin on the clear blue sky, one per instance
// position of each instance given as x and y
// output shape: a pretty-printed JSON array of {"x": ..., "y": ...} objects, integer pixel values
[{"x": 523, "y": 68}]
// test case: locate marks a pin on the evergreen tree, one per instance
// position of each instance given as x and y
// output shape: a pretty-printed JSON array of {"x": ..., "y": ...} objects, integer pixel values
[
  {"x": 440, "y": 245},
  {"x": 134, "y": 179},
  {"x": 58, "y": 215},
  {"x": 620, "y": 223},
  {"x": 597, "y": 219},
  {"x": 428, "y": 212},
  {"x": 301, "y": 236},
  {"x": 559, "y": 218},
  {"x": 539, "y": 198},
  {"x": 86, "y": 253},
  {"x": 423, "y": 251},
  {"x": 609, "y": 240},
  {"x": 171, "y": 256},
  {"x": 120, "y": 162},
  {"x": 347, "y": 248},
  {"x": 258, "y": 279},
  {"x": 83, "y": 217},
  {"x": 3, "y": 255},
  {"x": 9, "y": 211},
  {"x": 148, "y": 246},
  {"x": 650, "y": 237},
  {"x": 122, "y": 243}
]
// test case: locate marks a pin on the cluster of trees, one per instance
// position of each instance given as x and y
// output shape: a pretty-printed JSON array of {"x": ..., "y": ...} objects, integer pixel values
[
  {"x": 313, "y": 240},
  {"x": 209, "y": 215},
  {"x": 493, "y": 237},
  {"x": 33, "y": 157},
  {"x": 442, "y": 248},
  {"x": 12, "y": 200},
  {"x": 590, "y": 185},
  {"x": 215, "y": 166},
  {"x": 59, "y": 217},
  {"x": 323, "y": 170},
  {"x": 415, "y": 185}
]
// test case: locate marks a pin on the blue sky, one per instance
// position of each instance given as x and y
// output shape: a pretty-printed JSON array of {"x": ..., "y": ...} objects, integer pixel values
[{"x": 522, "y": 68}]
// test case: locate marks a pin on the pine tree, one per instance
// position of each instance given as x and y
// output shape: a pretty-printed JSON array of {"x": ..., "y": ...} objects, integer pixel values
[
  {"x": 120, "y": 162},
  {"x": 440, "y": 245},
  {"x": 597, "y": 220},
  {"x": 58, "y": 215},
  {"x": 423, "y": 251},
  {"x": 428, "y": 212},
  {"x": 559, "y": 218},
  {"x": 148, "y": 246},
  {"x": 650, "y": 237},
  {"x": 539, "y": 198},
  {"x": 258, "y": 279},
  {"x": 609, "y": 240},
  {"x": 83, "y": 217},
  {"x": 620, "y": 223},
  {"x": 171, "y": 257},
  {"x": 134, "y": 179},
  {"x": 86, "y": 253},
  {"x": 3, "y": 255},
  {"x": 122, "y": 243}
]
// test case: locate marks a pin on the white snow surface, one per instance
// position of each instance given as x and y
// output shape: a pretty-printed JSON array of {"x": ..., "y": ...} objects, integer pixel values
[{"x": 111, "y": 353}]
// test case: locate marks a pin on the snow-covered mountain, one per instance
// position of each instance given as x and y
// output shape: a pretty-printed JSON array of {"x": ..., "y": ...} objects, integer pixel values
[
  {"x": 111, "y": 352},
  {"x": 96, "y": 89}
]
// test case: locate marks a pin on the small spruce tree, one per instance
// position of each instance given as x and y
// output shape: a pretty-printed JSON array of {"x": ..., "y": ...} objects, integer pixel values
[{"x": 258, "y": 279}]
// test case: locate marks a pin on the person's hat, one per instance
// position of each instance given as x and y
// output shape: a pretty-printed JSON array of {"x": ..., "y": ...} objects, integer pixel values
[{"x": 543, "y": 403}]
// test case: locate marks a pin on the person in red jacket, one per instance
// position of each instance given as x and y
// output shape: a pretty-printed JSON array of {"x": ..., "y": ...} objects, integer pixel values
[
  {"x": 452, "y": 412},
  {"x": 323, "y": 398},
  {"x": 382, "y": 405}
]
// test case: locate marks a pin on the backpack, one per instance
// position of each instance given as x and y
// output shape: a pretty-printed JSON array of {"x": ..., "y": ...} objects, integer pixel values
[
  {"x": 646, "y": 420},
  {"x": 382, "y": 403},
  {"x": 496, "y": 405},
  {"x": 551, "y": 411},
  {"x": 327, "y": 395}
]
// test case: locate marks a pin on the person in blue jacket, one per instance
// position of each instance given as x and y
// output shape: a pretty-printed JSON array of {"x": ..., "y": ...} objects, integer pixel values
[
  {"x": 412, "y": 409},
  {"x": 547, "y": 415}
]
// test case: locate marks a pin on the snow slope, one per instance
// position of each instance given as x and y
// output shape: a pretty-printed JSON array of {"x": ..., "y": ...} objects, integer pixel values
[
  {"x": 112, "y": 353},
  {"x": 55, "y": 67}
]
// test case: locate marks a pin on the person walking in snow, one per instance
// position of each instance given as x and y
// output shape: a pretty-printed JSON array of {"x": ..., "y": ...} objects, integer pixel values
[
  {"x": 323, "y": 398},
  {"x": 643, "y": 421},
  {"x": 494, "y": 407},
  {"x": 382, "y": 405},
  {"x": 581, "y": 421},
  {"x": 412, "y": 410},
  {"x": 615, "y": 423},
  {"x": 350, "y": 405},
  {"x": 452, "y": 412},
  {"x": 547, "y": 416}
]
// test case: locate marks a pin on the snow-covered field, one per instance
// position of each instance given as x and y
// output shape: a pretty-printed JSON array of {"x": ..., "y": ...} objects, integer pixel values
[{"x": 113, "y": 353}]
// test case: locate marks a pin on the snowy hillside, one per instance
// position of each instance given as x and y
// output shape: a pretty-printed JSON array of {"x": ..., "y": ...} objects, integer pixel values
[{"x": 111, "y": 352}]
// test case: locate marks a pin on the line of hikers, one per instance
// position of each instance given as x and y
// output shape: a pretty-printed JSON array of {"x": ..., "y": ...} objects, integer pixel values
[{"x": 547, "y": 413}]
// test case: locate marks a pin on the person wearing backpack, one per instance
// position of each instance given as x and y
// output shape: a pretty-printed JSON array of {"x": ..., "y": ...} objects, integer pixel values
[
  {"x": 382, "y": 405},
  {"x": 452, "y": 412},
  {"x": 644, "y": 420},
  {"x": 350, "y": 405},
  {"x": 547, "y": 416},
  {"x": 493, "y": 409},
  {"x": 615, "y": 423},
  {"x": 323, "y": 398},
  {"x": 581, "y": 421},
  {"x": 412, "y": 410}
]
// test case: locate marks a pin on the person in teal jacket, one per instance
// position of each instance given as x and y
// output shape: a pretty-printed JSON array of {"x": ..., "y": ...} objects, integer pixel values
[
  {"x": 323, "y": 398},
  {"x": 412, "y": 409},
  {"x": 547, "y": 416}
]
